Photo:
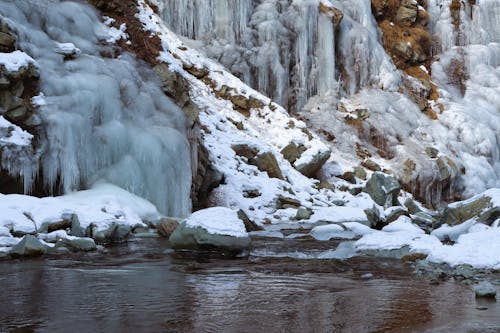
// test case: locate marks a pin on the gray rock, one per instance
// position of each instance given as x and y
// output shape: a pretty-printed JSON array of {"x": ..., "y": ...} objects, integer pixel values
[
  {"x": 395, "y": 213},
  {"x": 118, "y": 233},
  {"x": 463, "y": 271},
  {"x": 367, "y": 276},
  {"x": 303, "y": 213},
  {"x": 485, "y": 289},
  {"x": 311, "y": 168},
  {"x": 188, "y": 238},
  {"x": 374, "y": 218},
  {"x": 115, "y": 233},
  {"x": 84, "y": 244},
  {"x": 29, "y": 246},
  {"x": 383, "y": 189},
  {"x": 76, "y": 228},
  {"x": 481, "y": 208}
]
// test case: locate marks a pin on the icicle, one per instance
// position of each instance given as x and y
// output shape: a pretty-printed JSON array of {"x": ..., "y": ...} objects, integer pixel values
[{"x": 103, "y": 118}]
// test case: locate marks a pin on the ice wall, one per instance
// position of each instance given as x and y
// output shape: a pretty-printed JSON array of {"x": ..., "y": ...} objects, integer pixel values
[
  {"x": 287, "y": 49},
  {"x": 468, "y": 73},
  {"x": 104, "y": 118}
]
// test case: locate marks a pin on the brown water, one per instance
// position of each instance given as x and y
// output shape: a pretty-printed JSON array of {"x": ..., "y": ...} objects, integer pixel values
[{"x": 140, "y": 288}]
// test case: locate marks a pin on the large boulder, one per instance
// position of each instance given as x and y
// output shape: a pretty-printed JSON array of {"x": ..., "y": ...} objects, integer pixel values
[
  {"x": 212, "y": 229},
  {"x": 29, "y": 246},
  {"x": 383, "y": 189},
  {"x": 311, "y": 167},
  {"x": 484, "y": 207}
]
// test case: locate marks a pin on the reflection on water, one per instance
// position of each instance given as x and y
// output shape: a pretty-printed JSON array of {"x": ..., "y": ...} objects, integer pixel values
[{"x": 139, "y": 288}]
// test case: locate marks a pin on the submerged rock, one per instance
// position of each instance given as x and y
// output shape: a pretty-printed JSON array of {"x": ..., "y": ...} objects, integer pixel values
[
  {"x": 29, "y": 246},
  {"x": 212, "y": 229}
]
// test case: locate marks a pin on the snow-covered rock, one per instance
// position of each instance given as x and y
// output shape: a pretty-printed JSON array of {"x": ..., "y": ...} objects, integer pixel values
[{"x": 215, "y": 228}]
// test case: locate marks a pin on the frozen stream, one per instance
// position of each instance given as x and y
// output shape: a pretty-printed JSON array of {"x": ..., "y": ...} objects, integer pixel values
[{"x": 142, "y": 287}]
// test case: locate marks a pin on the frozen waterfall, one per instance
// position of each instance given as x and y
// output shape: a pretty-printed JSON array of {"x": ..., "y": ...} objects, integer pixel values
[
  {"x": 287, "y": 49},
  {"x": 104, "y": 118}
]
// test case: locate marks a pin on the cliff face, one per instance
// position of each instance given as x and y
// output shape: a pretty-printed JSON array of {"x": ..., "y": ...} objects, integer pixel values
[
  {"x": 406, "y": 87},
  {"x": 400, "y": 82}
]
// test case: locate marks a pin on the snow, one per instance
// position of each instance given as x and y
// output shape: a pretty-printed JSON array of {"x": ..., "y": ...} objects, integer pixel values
[
  {"x": 11, "y": 134},
  {"x": 403, "y": 223},
  {"x": 218, "y": 221},
  {"x": 339, "y": 214},
  {"x": 67, "y": 49},
  {"x": 16, "y": 60},
  {"x": 327, "y": 232},
  {"x": 102, "y": 205}
]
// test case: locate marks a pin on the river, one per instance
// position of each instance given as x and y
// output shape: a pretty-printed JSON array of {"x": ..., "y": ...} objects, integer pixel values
[{"x": 143, "y": 286}]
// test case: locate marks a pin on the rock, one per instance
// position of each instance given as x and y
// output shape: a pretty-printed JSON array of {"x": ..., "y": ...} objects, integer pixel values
[
  {"x": 167, "y": 226},
  {"x": 423, "y": 220},
  {"x": 383, "y": 189},
  {"x": 311, "y": 168},
  {"x": 485, "y": 289},
  {"x": 367, "y": 276},
  {"x": 286, "y": 202},
  {"x": 480, "y": 207},
  {"x": 7, "y": 42},
  {"x": 412, "y": 257},
  {"x": 360, "y": 172},
  {"x": 249, "y": 224},
  {"x": 115, "y": 233},
  {"x": 412, "y": 206},
  {"x": 76, "y": 229},
  {"x": 53, "y": 226},
  {"x": 245, "y": 150},
  {"x": 371, "y": 165},
  {"x": 374, "y": 218},
  {"x": 29, "y": 246},
  {"x": 447, "y": 169},
  {"x": 407, "y": 13},
  {"x": 118, "y": 233},
  {"x": 463, "y": 272},
  {"x": 348, "y": 176},
  {"x": 292, "y": 152},
  {"x": 212, "y": 229},
  {"x": 303, "y": 213},
  {"x": 431, "y": 152},
  {"x": 173, "y": 84},
  {"x": 394, "y": 213},
  {"x": 84, "y": 244},
  {"x": 266, "y": 162}
]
